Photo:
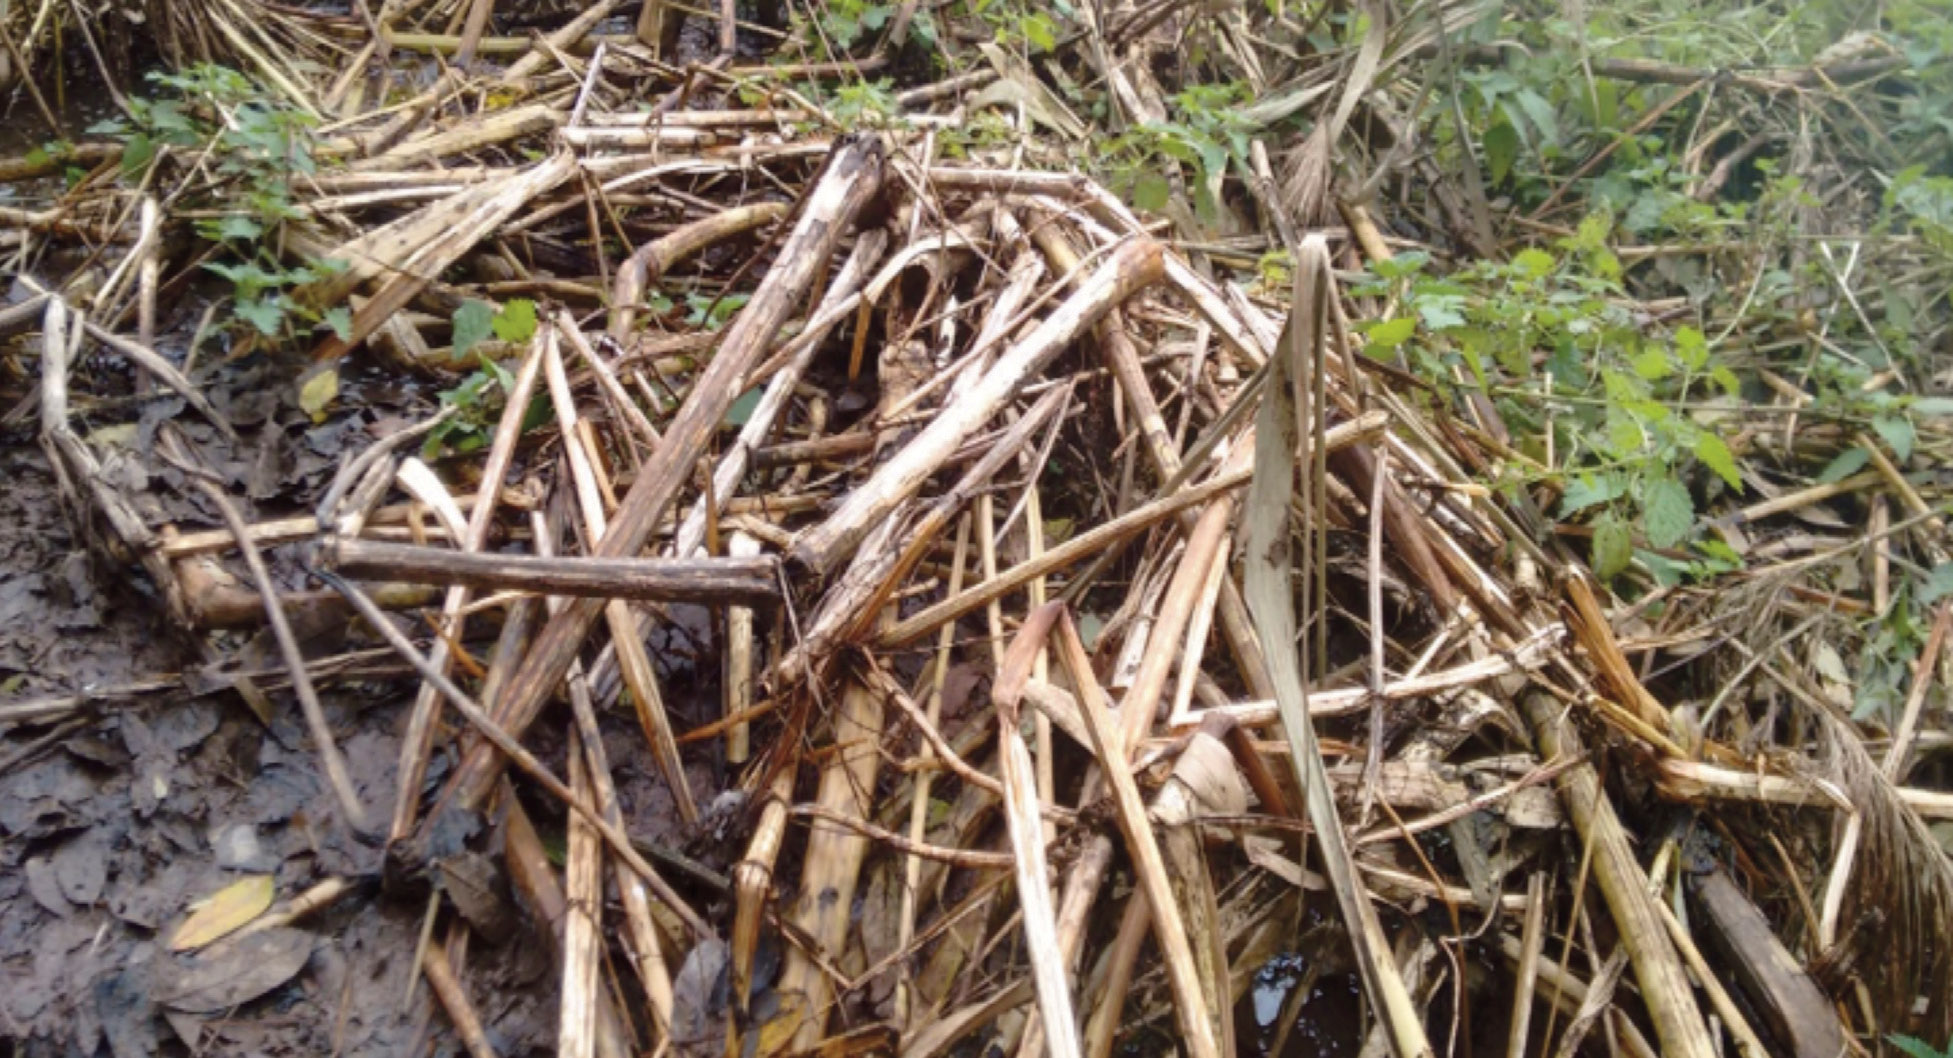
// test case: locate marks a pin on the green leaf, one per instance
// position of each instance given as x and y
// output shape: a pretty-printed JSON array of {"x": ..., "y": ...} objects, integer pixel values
[
  {"x": 1501, "y": 150},
  {"x": 267, "y": 315},
  {"x": 1540, "y": 112},
  {"x": 516, "y": 322},
  {"x": 1668, "y": 572},
  {"x": 1039, "y": 31},
  {"x": 1667, "y": 512},
  {"x": 1652, "y": 363},
  {"x": 742, "y": 409},
  {"x": 243, "y": 229},
  {"x": 1389, "y": 334},
  {"x": 1897, "y": 433},
  {"x": 1933, "y": 406},
  {"x": 1150, "y": 192},
  {"x": 1849, "y": 462},
  {"x": 340, "y": 319},
  {"x": 472, "y": 323},
  {"x": 1534, "y": 262},
  {"x": 1727, "y": 379},
  {"x": 1939, "y": 584},
  {"x": 1613, "y": 547},
  {"x": 1916, "y": 1048},
  {"x": 1715, "y": 455},
  {"x": 137, "y": 152},
  {"x": 1691, "y": 348},
  {"x": 1591, "y": 491}
]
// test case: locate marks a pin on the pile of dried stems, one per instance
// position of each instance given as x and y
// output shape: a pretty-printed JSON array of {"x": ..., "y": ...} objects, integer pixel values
[{"x": 1245, "y": 633}]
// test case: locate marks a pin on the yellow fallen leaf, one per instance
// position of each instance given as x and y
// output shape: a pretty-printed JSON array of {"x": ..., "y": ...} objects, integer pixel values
[
  {"x": 226, "y": 911},
  {"x": 318, "y": 392}
]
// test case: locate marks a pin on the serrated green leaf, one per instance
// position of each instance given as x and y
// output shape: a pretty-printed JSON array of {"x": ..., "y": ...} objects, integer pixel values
[
  {"x": 267, "y": 315},
  {"x": 1897, "y": 433},
  {"x": 1589, "y": 490},
  {"x": 1715, "y": 455},
  {"x": 243, "y": 229},
  {"x": 1667, "y": 512},
  {"x": 516, "y": 322},
  {"x": 473, "y": 322},
  {"x": 1389, "y": 334},
  {"x": 1534, "y": 262},
  {"x": 1613, "y": 547},
  {"x": 1652, "y": 364},
  {"x": 340, "y": 319},
  {"x": 1849, "y": 462}
]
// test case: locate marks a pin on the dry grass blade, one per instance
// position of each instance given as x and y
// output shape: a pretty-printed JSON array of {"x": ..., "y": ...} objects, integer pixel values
[{"x": 1298, "y": 358}]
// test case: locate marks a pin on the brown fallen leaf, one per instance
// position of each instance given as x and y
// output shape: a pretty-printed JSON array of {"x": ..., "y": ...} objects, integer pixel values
[
  {"x": 224, "y": 912},
  {"x": 235, "y": 973}
]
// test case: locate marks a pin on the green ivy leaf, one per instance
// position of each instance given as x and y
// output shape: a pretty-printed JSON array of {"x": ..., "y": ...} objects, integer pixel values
[
  {"x": 1897, "y": 433},
  {"x": 473, "y": 322},
  {"x": 516, "y": 323},
  {"x": 1716, "y": 456},
  {"x": 1613, "y": 547},
  {"x": 1667, "y": 512}
]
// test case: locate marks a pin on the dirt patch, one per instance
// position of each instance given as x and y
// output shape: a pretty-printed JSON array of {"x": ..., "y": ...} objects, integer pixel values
[{"x": 110, "y": 832}]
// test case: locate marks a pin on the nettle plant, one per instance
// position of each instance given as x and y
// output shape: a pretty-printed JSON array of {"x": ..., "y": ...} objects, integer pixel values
[
  {"x": 254, "y": 145},
  {"x": 1629, "y": 408},
  {"x": 1207, "y": 131}
]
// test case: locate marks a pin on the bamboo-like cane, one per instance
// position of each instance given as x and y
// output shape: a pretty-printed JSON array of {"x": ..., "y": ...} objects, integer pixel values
[{"x": 853, "y": 175}]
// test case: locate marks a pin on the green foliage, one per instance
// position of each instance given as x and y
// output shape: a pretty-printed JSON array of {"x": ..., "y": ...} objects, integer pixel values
[
  {"x": 474, "y": 321},
  {"x": 255, "y": 145},
  {"x": 844, "y": 22},
  {"x": 1206, "y": 131},
  {"x": 1024, "y": 25},
  {"x": 1548, "y": 330},
  {"x": 1918, "y": 1048},
  {"x": 866, "y": 104},
  {"x": 712, "y": 313},
  {"x": 477, "y": 400}
]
